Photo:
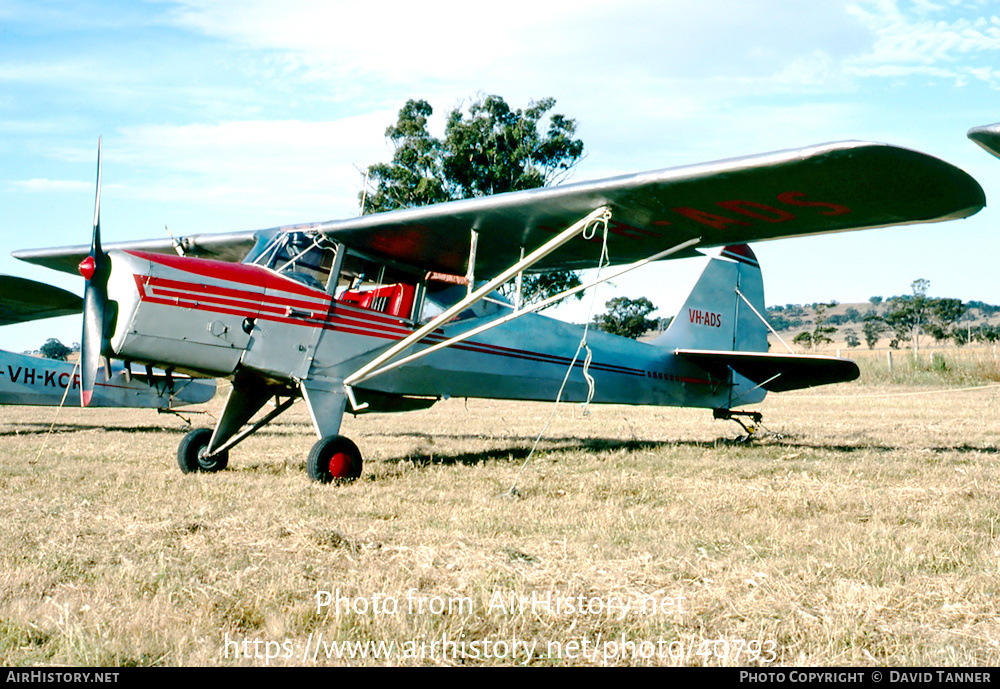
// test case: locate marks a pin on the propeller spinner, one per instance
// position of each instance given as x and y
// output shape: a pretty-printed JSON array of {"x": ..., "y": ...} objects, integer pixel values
[{"x": 95, "y": 269}]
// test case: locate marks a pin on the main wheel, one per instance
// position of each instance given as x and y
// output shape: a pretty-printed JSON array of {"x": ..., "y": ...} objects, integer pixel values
[
  {"x": 191, "y": 453},
  {"x": 335, "y": 458}
]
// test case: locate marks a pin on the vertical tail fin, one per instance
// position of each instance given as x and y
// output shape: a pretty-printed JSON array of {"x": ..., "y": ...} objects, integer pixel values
[{"x": 715, "y": 317}]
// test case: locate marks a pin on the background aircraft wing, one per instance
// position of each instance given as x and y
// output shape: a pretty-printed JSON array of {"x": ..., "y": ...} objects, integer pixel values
[
  {"x": 27, "y": 300},
  {"x": 987, "y": 136},
  {"x": 827, "y": 188},
  {"x": 775, "y": 372}
]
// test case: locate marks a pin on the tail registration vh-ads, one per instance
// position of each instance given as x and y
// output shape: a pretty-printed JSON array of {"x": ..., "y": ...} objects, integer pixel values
[
  {"x": 32, "y": 380},
  {"x": 393, "y": 311}
]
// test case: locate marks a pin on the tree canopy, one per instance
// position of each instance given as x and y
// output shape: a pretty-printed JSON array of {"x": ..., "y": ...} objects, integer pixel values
[
  {"x": 54, "y": 349},
  {"x": 912, "y": 315},
  {"x": 627, "y": 317},
  {"x": 820, "y": 334},
  {"x": 490, "y": 149}
]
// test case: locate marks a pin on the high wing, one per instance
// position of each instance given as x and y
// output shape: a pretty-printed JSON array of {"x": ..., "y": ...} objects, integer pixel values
[
  {"x": 987, "y": 136},
  {"x": 226, "y": 246},
  {"x": 23, "y": 300},
  {"x": 775, "y": 372},
  {"x": 820, "y": 189}
]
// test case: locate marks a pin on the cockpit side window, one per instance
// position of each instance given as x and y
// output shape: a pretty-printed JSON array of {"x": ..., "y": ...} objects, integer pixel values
[{"x": 443, "y": 295}]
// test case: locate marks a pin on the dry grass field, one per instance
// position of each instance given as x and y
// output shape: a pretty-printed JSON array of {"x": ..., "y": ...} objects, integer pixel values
[{"x": 860, "y": 529}]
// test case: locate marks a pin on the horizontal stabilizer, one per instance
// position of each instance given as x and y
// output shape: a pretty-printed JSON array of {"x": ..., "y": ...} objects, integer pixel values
[{"x": 775, "y": 372}]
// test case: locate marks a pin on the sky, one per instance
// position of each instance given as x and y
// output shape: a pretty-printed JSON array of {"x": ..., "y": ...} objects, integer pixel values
[{"x": 226, "y": 116}]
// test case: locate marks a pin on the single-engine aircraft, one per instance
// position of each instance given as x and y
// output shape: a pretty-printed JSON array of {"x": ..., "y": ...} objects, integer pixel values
[
  {"x": 987, "y": 136},
  {"x": 31, "y": 380},
  {"x": 393, "y": 311}
]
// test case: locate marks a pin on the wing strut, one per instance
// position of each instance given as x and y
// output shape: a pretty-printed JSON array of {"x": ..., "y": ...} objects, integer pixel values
[
  {"x": 470, "y": 276},
  {"x": 602, "y": 214},
  {"x": 526, "y": 310}
]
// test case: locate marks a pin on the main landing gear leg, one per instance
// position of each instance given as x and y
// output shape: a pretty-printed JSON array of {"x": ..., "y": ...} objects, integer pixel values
[
  {"x": 206, "y": 450},
  {"x": 333, "y": 458},
  {"x": 753, "y": 420}
]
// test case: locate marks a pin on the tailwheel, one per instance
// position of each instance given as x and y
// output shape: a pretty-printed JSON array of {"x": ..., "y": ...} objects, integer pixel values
[
  {"x": 334, "y": 458},
  {"x": 191, "y": 455},
  {"x": 753, "y": 420}
]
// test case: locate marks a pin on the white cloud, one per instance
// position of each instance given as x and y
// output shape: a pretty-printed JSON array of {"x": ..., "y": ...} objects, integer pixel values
[
  {"x": 528, "y": 40},
  {"x": 48, "y": 185},
  {"x": 292, "y": 165},
  {"x": 928, "y": 40}
]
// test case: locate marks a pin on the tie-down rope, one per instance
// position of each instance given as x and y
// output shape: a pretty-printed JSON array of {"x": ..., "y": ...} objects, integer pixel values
[{"x": 588, "y": 233}]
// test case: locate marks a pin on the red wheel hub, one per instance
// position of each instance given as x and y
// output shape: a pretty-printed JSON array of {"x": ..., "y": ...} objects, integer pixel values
[{"x": 340, "y": 465}]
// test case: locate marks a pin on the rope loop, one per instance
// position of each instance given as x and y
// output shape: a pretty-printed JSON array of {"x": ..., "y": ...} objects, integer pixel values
[{"x": 589, "y": 232}]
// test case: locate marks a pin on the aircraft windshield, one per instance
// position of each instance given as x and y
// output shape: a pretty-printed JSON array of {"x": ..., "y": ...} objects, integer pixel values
[
  {"x": 365, "y": 282},
  {"x": 302, "y": 256}
]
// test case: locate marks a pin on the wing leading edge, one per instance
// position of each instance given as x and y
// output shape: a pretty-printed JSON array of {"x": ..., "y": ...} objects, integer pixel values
[
  {"x": 828, "y": 188},
  {"x": 775, "y": 372}
]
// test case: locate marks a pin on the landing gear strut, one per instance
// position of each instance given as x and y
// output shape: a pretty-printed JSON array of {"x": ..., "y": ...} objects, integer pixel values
[
  {"x": 333, "y": 459},
  {"x": 753, "y": 418}
]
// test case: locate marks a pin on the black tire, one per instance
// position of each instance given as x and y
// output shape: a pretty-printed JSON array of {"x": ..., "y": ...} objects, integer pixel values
[
  {"x": 191, "y": 451},
  {"x": 335, "y": 458}
]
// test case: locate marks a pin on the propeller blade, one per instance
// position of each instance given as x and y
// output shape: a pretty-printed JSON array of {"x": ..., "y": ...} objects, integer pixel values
[{"x": 95, "y": 269}]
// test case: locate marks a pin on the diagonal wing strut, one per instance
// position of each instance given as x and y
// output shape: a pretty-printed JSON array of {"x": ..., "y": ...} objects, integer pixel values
[
  {"x": 384, "y": 363},
  {"x": 525, "y": 311},
  {"x": 602, "y": 214}
]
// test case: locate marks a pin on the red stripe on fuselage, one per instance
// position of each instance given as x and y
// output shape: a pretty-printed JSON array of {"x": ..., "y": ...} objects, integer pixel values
[
  {"x": 271, "y": 307},
  {"x": 246, "y": 274}
]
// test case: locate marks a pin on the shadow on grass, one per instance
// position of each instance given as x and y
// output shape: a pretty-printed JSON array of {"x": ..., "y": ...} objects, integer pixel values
[
  {"x": 29, "y": 429},
  {"x": 519, "y": 448}
]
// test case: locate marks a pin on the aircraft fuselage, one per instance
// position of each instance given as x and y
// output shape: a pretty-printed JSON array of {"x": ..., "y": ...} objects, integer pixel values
[{"x": 218, "y": 319}]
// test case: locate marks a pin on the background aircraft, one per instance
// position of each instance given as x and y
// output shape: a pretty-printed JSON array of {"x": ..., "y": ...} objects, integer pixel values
[
  {"x": 33, "y": 380},
  {"x": 327, "y": 311},
  {"x": 987, "y": 136}
]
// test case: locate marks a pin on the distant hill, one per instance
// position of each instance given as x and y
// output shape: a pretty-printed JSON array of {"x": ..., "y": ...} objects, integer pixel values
[{"x": 791, "y": 319}]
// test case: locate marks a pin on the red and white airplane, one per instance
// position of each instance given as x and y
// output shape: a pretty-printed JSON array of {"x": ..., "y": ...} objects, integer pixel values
[{"x": 394, "y": 311}]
